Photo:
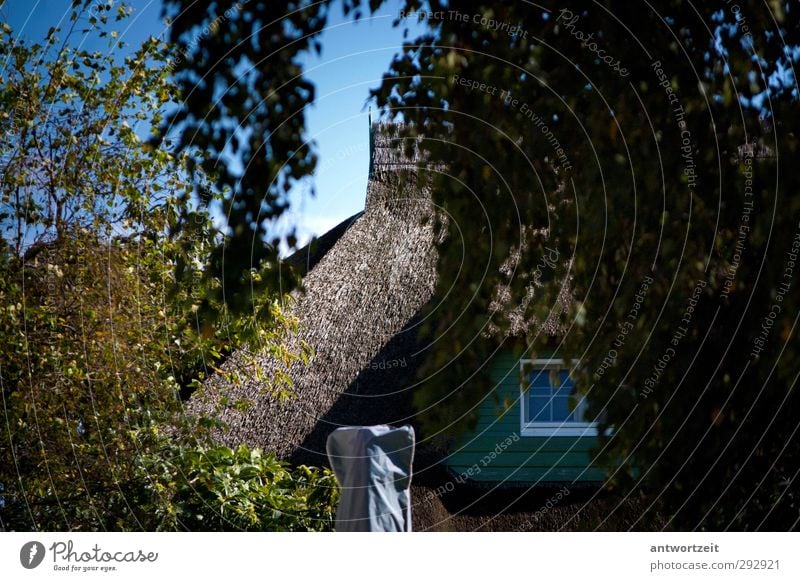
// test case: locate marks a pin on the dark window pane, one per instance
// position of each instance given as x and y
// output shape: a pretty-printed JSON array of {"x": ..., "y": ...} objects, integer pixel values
[
  {"x": 541, "y": 409},
  {"x": 560, "y": 409},
  {"x": 550, "y": 397},
  {"x": 540, "y": 379}
]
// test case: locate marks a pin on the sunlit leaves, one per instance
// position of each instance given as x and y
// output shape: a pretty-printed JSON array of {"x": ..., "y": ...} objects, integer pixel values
[{"x": 101, "y": 330}]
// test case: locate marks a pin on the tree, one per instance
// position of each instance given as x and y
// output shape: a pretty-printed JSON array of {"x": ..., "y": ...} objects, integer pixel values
[
  {"x": 107, "y": 313},
  {"x": 641, "y": 145},
  {"x": 243, "y": 106},
  {"x": 677, "y": 255}
]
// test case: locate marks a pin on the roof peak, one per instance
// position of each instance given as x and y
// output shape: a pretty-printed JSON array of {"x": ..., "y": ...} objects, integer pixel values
[{"x": 394, "y": 160}]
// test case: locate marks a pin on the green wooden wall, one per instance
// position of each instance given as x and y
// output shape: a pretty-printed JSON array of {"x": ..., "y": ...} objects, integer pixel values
[{"x": 497, "y": 452}]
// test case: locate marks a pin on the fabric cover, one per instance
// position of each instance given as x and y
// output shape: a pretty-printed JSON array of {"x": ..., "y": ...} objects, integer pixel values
[{"x": 373, "y": 467}]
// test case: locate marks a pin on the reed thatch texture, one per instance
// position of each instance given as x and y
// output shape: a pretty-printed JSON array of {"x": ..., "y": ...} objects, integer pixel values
[{"x": 363, "y": 289}]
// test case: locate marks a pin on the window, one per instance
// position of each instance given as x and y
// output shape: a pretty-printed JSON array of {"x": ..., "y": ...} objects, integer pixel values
[{"x": 550, "y": 404}]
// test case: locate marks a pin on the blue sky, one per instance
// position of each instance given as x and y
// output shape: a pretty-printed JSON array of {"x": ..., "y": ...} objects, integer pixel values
[
  {"x": 354, "y": 57},
  {"x": 353, "y": 60}
]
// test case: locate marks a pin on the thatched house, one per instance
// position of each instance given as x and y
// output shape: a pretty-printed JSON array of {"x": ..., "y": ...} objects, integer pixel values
[{"x": 366, "y": 283}]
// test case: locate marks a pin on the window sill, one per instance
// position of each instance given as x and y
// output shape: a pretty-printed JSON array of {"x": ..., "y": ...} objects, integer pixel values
[{"x": 559, "y": 430}]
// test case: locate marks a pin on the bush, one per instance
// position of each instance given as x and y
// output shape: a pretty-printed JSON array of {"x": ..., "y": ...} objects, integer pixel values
[
  {"x": 217, "y": 488},
  {"x": 108, "y": 314}
]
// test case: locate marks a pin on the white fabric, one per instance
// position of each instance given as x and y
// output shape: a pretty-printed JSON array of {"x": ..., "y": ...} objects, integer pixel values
[{"x": 373, "y": 467}]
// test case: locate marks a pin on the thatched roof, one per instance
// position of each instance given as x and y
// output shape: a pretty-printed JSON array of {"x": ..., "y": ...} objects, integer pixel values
[{"x": 365, "y": 284}]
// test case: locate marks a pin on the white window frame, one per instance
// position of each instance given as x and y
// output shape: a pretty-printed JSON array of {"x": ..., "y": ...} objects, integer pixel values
[{"x": 550, "y": 429}]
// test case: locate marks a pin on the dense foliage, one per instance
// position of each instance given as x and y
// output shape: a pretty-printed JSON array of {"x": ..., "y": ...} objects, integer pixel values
[
  {"x": 659, "y": 182},
  {"x": 216, "y": 488},
  {"x": 109, "y": 314}
]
